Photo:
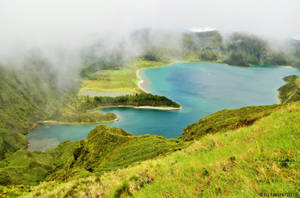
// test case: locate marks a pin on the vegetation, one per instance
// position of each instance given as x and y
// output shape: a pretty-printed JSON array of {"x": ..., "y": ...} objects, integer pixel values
[
  {"x": 143, "y": 99},
  {"x": 24, "y": 99},
  {"x": 249, "y": 161},
  {"x": 291, "y": 90},
  {"x": 10, "y": 142}
]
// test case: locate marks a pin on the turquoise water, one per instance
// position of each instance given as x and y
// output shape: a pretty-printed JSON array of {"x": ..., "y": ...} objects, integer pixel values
[{"x": 200, "y": 88}]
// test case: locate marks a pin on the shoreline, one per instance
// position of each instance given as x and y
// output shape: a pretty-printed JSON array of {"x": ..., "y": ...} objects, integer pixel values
[
  {"x": 141, "y": 81},
  {"x": 143, "y": 107}
]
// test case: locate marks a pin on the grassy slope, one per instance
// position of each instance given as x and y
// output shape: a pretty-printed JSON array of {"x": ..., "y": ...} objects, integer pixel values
[
  {"x": 227, "y": 119},
  {"x": 261, "y": 158},
  {"x": 291, "y": 90}
]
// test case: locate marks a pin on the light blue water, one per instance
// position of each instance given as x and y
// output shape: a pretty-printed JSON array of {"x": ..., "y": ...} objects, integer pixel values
[{"x": 200, "y": 88}]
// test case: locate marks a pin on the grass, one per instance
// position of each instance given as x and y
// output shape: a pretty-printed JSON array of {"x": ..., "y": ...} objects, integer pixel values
[
  {"x": 261, "y": 158},
  {"x": 123, "y": 80}
]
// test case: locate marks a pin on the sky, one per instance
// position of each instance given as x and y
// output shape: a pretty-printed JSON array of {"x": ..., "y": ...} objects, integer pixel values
[
  {"x": 71, "y": 24},
  {"x": 47, "y": 20}
]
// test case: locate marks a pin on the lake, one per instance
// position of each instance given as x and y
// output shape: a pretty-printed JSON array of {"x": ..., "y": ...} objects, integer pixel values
[{"x": 200, "y": 88}]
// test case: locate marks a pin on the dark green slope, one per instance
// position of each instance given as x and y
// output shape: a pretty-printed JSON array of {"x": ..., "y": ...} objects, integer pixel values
[{"x": 25, "y": 97}]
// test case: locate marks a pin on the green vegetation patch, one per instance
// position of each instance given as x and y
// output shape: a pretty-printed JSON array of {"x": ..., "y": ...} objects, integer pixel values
[{"x": 143, "y": 99}]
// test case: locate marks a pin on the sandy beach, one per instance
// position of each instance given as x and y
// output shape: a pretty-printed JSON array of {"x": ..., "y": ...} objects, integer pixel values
[
  {"x": 141, "y": 81},
  {"x": 144, "y": 107}
]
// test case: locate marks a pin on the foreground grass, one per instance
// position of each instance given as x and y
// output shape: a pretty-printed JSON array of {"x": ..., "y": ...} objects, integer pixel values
[
  {"x": 118, "y": 81},
  {"x": 262, "y": 158}
]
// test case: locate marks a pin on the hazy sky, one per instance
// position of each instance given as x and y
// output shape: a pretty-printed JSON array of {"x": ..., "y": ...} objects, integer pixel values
[
  {"x": 72, "y": 19},
  {"x": 71, "y": 23}
]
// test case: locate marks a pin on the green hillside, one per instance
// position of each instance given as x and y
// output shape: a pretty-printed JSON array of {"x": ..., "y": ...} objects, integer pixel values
[
  {"x": 261, "y": 158},
  {"x": 24, "y": 99}
]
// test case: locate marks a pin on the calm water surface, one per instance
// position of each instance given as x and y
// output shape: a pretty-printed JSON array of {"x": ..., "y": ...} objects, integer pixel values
[{"x": 200, "y": 88}]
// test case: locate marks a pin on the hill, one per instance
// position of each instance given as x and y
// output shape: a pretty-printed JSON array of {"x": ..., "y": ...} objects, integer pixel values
[{"x": 247, "y": 162}]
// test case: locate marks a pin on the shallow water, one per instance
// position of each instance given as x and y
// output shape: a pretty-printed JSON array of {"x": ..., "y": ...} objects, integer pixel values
[{"x": 200, "y": 88}]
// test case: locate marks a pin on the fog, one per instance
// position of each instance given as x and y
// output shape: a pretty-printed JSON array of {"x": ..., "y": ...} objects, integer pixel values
[{"x": 59, "y": 29}]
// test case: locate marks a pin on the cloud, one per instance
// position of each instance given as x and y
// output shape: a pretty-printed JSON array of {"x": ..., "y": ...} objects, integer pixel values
[{"x": 73, "y": 24}]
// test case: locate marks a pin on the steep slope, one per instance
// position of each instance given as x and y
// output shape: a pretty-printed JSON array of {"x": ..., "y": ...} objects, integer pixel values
[
  {"x": 25, "y": 97},
  {"x": 247, "y": 162}
]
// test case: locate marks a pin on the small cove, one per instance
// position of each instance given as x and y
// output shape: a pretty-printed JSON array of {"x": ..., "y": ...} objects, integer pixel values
[{"x": 200, "y": 88}]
